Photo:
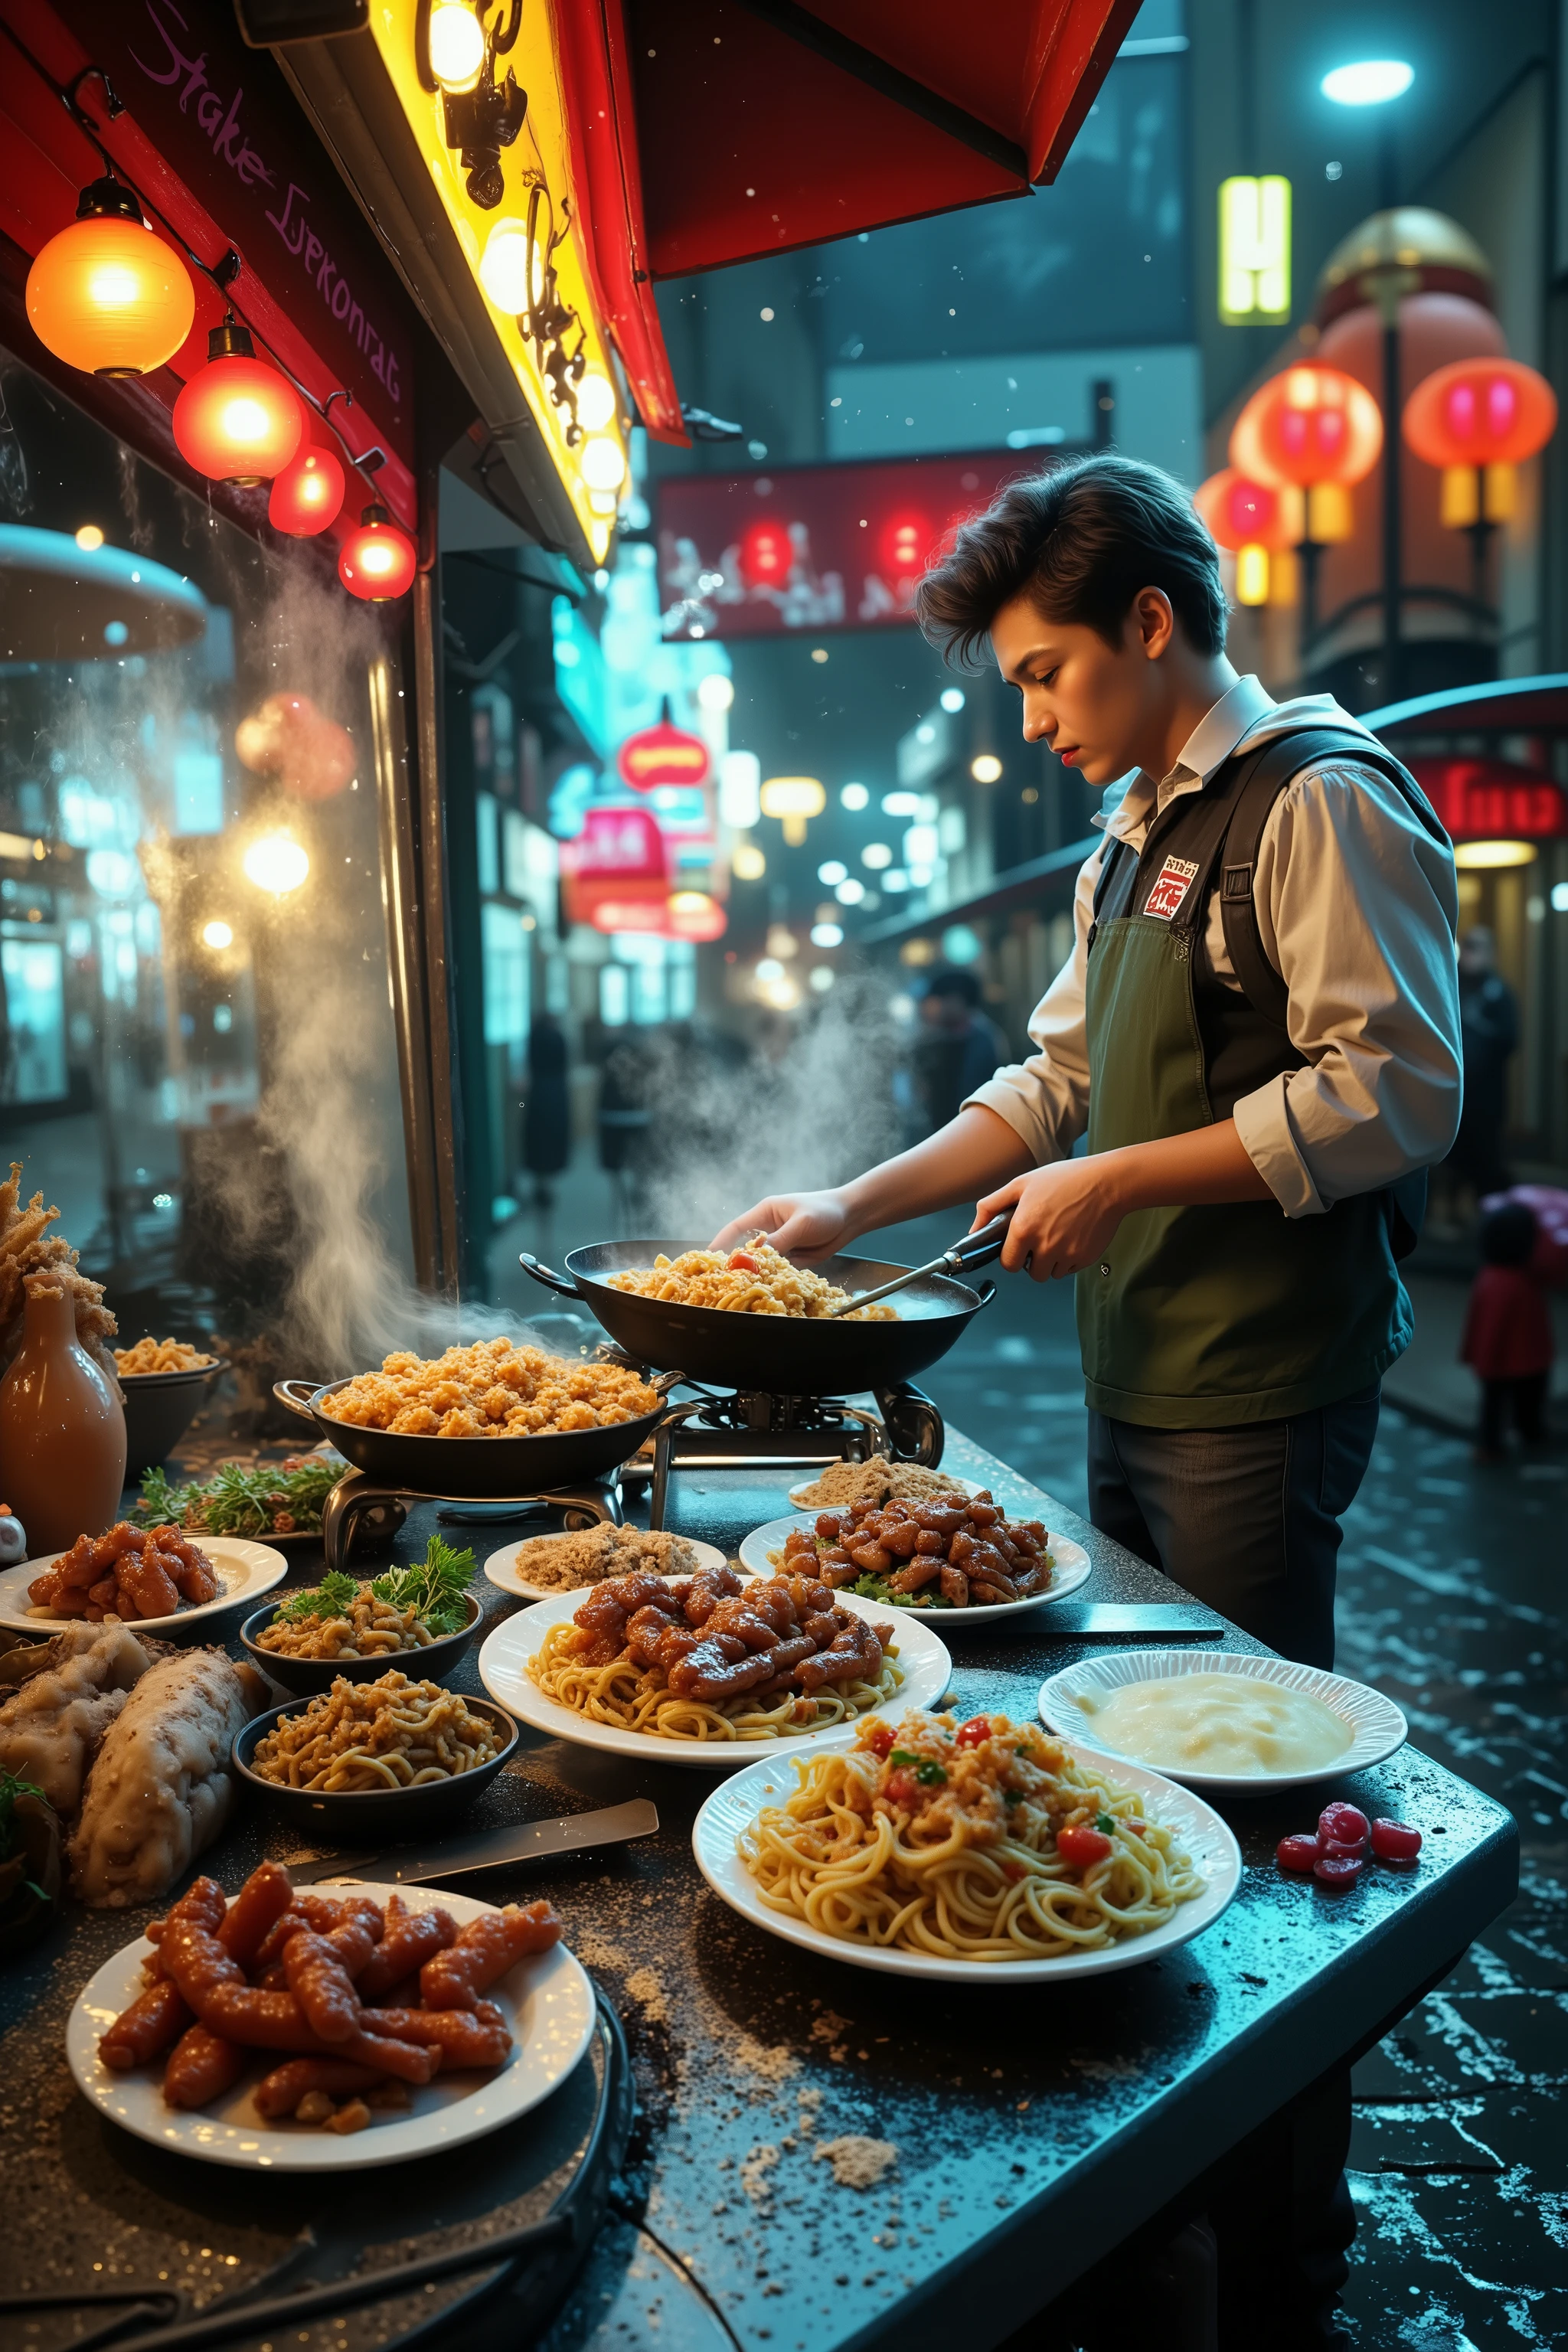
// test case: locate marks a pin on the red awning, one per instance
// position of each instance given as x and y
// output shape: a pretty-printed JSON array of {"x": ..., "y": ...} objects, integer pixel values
[{"x": 708, "y": 132}]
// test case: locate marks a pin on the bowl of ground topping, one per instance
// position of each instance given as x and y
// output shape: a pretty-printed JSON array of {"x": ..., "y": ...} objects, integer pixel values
[
  {"x": 164, "y": 1383},
  {"x": 544, "y": 1565},
  {"x": 878, "y": 1481}
]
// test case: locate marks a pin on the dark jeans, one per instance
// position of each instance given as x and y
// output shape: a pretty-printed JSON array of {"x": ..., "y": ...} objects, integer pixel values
[
  {"x": 1527, "y": 1396},
  {"x": 1249, "y": 1519}
]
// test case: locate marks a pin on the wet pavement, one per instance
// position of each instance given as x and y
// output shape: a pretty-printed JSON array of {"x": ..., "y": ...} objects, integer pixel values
[{"x": 1450, "y": 1599}]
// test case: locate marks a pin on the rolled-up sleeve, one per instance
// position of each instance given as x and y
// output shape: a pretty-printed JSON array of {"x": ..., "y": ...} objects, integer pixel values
[
  {"x": 1357, "y": 910},
  {"x": 1045, "y": 1100}
]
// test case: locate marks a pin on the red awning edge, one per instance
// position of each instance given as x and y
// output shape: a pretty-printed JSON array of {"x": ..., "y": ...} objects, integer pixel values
[{"x": 607, "y": 187}]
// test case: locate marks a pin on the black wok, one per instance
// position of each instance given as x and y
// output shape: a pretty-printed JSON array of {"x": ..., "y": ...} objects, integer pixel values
[
  {"x": 782, "y": 1355},
  {"x": 470, "y": 1469}
]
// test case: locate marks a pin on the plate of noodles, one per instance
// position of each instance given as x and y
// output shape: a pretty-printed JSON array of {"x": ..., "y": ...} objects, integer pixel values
[
  {"x": 585, "y": 1666},
  {"x": 924, "y": 1847},
  {"x": 1063, "y": 1564}
]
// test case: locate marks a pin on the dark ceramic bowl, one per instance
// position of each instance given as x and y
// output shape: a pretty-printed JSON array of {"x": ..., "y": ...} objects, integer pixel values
[
  {"x": 159, "y": 1409},
  {"x": 381, "y": 1817},
  {"x": 431, "y": 1664}
]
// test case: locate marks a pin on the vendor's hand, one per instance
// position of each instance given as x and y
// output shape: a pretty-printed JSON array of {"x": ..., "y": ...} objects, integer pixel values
[
  {"x": 801, "y": 1225},
  {"x": 1064, "y": 1217}
]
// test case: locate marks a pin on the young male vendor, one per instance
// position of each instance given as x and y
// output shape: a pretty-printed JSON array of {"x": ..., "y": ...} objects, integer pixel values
[{"x": 1258, "y": 1033}]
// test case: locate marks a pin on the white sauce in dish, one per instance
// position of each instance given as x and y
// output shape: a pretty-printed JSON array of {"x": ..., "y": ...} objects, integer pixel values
[{"x": 1218, "y": 1722}]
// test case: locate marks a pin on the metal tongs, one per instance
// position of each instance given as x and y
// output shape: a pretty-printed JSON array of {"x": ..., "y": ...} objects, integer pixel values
[{"x": 974, "y": 1249}]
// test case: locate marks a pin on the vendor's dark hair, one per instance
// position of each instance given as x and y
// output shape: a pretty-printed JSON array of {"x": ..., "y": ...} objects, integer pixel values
[
  {"x": 1508, "y": 1233},
  {"x": 1080, "y": 542}
]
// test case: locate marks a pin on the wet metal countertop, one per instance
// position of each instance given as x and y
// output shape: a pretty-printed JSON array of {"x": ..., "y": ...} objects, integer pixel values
[{"x": 1032, "y": 2128}]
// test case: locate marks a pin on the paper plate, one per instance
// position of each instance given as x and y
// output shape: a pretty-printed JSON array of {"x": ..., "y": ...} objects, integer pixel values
[
  {"x": 246, "y": 1569},
  {"x": 1071, "y": 1562},
  {"x": 503, "y": 1672},
  {"x": 770, "y": 1780},
  {"x": 502, "y": 1570},
  {"x": 1377, "y": 1724},
  {"x": 547, "y": 2001}
]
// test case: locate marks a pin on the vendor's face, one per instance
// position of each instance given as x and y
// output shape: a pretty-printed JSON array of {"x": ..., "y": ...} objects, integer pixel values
[{"x": 1088, "y": 700}]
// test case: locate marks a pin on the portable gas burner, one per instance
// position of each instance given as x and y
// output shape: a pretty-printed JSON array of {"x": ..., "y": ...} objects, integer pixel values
[
  {"x": 734, "y": 1429},
  {"x": 595, "y": 1502}
]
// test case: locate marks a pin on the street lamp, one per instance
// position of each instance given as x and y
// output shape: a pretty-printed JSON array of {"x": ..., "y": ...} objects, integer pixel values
[{"x": 1370, "y": 81}]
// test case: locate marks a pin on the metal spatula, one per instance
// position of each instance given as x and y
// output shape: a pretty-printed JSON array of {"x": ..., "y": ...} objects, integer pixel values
[{"x": 974, "y": 1249}]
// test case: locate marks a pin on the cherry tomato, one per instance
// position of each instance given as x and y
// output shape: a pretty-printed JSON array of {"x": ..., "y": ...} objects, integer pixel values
[
  {"x": 1394, "y": 1841},
  {"x": 1345, "y": 1824},
  {"x": 974, "y": 1733},
  {"x": 901, "y": 1790},
  {"x": 881, "y": 1740},
  {"x": 1339, "y": 1870},
  {"x": 742, "y": 1262},
  {"x": 1080, "y": 1846},
  {"x": 1299, "y": 1852},
  {"x": 1338, "y": 1849}
]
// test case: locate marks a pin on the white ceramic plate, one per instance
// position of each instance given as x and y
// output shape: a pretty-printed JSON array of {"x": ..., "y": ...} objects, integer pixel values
[
  {"x": 1071, "y": 1562},
  {"x": 504, "y": 1658},
  {"x": 1378, "y": 1724},
  {"x": 770, "y": 1780},
  {"x": 246, "y": 1569},
  {"x": 797, "y": 1494},
  {"x": 547, "y": 2000},
  {"x": 502, "y": 1569}
]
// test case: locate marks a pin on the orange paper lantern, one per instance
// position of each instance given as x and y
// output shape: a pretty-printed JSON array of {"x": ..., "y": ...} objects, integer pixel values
[
  {"x": 1307, "y": 425},
  {"x": 378, "y": 561},
  {"x": 1485, "y": 412},
  {"x": 308, "y": 495},
  {"x": 106, "y": 295},
  {"x": 1241, "y": 513},
  {"x": 238, "y": 420}
]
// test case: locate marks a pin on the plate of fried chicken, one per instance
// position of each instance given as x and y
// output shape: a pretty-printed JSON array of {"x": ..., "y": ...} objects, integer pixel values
[
  {"x": 707, "y": 1670},
  {"x": 159, "y": 1578},
  {"x": 960, "y": 1557}
]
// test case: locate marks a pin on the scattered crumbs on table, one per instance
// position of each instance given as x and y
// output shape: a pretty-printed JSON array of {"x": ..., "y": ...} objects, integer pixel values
[
  {"x": 809, "y": 2101},
  {"x": 754, "y": 2171},
  {"x": 597, "y": 1951},
  {"x": 771, "y": 2063},
  {"x": 645, "y": 1988},
  {"x": 857, "y": 2163},
  {"x": 1105, "y": 2070},
  {"x": 831, "y": 2028}
]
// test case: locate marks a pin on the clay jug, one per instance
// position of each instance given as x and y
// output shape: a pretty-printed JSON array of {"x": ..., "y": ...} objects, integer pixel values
[{"x": 62, "y": 1428}]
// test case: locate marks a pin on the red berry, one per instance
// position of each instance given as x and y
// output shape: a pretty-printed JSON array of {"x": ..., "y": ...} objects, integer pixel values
[
  {"x": 1394, "y": 1841},
  {"x": 1299, "y": 1852},
  {"x": 1346, "y": 1824},
  {"x": 1337, "y": 1849},
  {"x": 1338, "y": 1870}
]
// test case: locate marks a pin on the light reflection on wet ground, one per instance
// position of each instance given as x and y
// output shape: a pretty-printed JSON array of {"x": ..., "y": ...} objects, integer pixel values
[{"x": 1452, "y": 1599}]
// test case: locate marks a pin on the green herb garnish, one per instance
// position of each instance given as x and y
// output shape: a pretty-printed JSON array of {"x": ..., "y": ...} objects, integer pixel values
[
  {"x": 1106, "y": 1825},
  {"x": 436, "y": 1588},
  {"x": 331, "y": 1598},
  {"x": 11, "y": 1788},
  {"x": 240, "y": 1501},
  {"x": 926, "y": 1769},
  {"x": 1012, "y": 1797}
]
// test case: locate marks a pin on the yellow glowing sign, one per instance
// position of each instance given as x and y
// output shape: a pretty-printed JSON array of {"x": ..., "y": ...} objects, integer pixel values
[
  {"x": 510, "y": 246},
  {"x": 1254, "y": 251}
]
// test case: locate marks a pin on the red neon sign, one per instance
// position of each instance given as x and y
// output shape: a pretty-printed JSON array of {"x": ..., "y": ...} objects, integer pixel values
[
  {"x": 662, "y": 755},
  {"x": 1493, "y": 800},
  {"x": 618, "y": 861}
]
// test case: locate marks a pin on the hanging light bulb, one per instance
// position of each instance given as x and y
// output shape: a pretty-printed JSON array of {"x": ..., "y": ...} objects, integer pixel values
[
  {"x": 275, "y": 862},
  {"x": 106, "y": 295},
  {"x": 505, "y": 268},
  {"x": 603, "y": 466},
  {"x": 596, "y": 401},
  {"x": 378, "y": 560},
  {"x": 308, "y": 494},
  {"x": 238, "y": 420},
  {"x": 456, "y": 45}
]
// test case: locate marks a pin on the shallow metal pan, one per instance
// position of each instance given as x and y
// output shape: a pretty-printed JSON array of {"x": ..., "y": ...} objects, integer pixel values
[{"x": 470, "y": 1469}]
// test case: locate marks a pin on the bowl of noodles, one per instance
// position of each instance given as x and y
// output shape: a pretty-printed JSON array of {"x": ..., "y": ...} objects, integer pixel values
[
  {"x": 923, "y": 1847},
  {"x": 375, "y": 1762}
]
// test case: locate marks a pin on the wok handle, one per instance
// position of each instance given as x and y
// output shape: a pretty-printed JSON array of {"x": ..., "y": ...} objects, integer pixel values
[
  {"x": 284, "y": 1391},
  {"x": 980, "y": 1248},
  {"x": 559, "y": 1282}
]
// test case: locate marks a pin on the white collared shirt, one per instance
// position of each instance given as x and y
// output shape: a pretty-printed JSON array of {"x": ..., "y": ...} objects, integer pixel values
[{"x": 1357, "y": 910}]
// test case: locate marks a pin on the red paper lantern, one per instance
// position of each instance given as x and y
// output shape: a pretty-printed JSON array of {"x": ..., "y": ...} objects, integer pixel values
[
  {"x": 238, "y": 420},
  {"x": 767, "y": 555},
  {"x": 662, "y": 755},
  {"x": 107, "y": 295},
  {"x": 1308, "y": 425},
  {"x": 378, "y": 561},
  {"x": 308, "y": 495},
  {"x": 1241, "y": 513},
  {"x": 1485, "y": 412}
]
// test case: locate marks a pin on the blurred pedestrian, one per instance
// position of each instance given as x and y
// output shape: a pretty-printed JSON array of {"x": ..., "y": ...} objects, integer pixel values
[
  {"x": 958, "y": 1046},
  {"x": 547, "y": 1109},
  {"x": 1488, "y": 1019},
  {"x": 1507, "y": 1339}
]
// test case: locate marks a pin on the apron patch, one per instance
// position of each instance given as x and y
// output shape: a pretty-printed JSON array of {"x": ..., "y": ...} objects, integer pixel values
[{"x": 1175, "y": 879}]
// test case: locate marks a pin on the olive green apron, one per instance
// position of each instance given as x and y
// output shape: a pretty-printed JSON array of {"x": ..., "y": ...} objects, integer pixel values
[{"x": 1201, "y": 1317}]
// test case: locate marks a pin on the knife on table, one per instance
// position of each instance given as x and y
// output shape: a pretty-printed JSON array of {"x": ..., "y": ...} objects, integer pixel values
[{"x": 491, "y": 1849}]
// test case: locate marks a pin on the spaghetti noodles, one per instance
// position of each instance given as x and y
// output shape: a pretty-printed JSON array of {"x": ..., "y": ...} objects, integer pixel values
[{"x": 983, "y": 1842}]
